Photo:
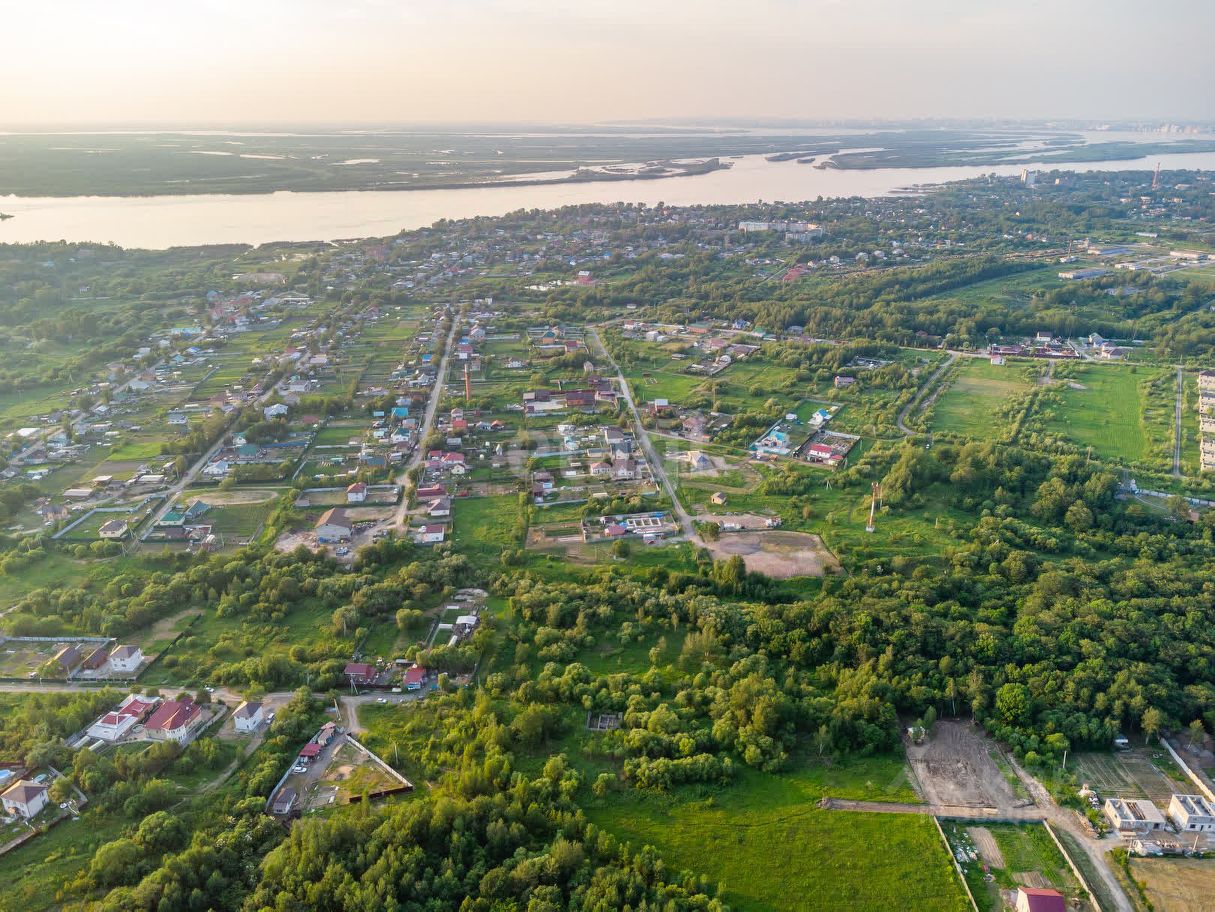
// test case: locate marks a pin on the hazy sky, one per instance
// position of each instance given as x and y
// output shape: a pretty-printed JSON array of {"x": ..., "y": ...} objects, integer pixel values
[{"x": 358, "y": 61}]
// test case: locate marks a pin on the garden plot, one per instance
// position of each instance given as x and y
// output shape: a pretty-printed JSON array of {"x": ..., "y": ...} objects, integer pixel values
[{"x": 1135, "y": 773}]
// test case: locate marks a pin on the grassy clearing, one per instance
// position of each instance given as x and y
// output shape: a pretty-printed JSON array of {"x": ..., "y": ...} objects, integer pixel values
[
  {"x": 771, "y": 848},
  {"x": 487, "y": 524},
  {"x": 977, "y": 392},
  {"x": 1100, "y": 406}
]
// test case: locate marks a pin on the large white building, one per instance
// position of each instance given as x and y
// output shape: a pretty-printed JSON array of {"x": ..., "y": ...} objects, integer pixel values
[
  {"x": 1133, "y": 816},
  {"x": 1192, "y": 813}
]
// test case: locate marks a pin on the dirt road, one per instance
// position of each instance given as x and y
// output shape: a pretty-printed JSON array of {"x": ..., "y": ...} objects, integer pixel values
[
  {"x": 918, "y": 398},
  {"x": 428, "y": 422},
  {"x": 647, "y": 445}
]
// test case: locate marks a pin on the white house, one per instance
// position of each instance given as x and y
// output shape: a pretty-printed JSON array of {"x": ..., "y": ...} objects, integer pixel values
[
  {"x": 114, "y": 529},
  {"x": 1192, "y": 813},
  {"x": 24, "y": 798},
  {"x": 216, "y": 470},
  {"x": 248, "y": 716},
  {"x": 431, "y": 534},
  {"x": 356, "y": 493},
  {"x": 1132, "y": 815},
  {"x": 277, "y": 410},
  {"x": 117, "y": 722},
  {"x": 126, "y": 659}
]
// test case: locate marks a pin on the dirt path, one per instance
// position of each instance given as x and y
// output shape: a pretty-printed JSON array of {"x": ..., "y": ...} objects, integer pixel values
[
  {"x": 1067, "y": 820},
  {"x": 1177, "y": 442},
  {"x": 964, "y": 812},
  {"x": 918, "y": 398},
  {"x": 401, "y": 513},
  {"x": 647, "y": 445}
]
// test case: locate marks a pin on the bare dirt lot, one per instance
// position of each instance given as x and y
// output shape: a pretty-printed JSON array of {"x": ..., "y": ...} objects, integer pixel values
[
  {"x": 985, "y": 843},
  {"x": 779, "y": 555},
  {"x": 955, "y": 768},
  {"x": 1177, "y": 884}
]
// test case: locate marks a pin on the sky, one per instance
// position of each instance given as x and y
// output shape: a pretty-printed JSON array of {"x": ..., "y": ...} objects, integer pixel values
[{"x": 230, "y": 62}]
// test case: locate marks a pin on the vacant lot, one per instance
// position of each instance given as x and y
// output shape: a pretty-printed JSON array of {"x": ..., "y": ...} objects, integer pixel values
[
  {"x": 1101, "y": 407},
  {"x": 976, "y": 394},
  {"x": 1176, "y": 884},
  {"x": 771, "y": 848},
  {"x": 779, "y": 555},
  {"x": 956, "y": 768}
]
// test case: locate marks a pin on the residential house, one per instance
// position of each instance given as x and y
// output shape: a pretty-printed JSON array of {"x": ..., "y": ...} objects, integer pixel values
[
  {"x": 278, "y": 410},
  {"x": 117, "y": 722},
  {"x": 68, "y": 659},
  {"x": 360, "y": 673},
  {"x": 114, "y": 530},
  {"x": 1133, "y": 816},
  {"x": 414, "y": 677},
  {"x": 284, "y": 801},
  {"x": 717, "y": 498},
  {"x": 431, "y": 534},
  {"x": 439, "y": 508},
  {"x": 1032, "y": 899},
  {"x": 248, "y": 716},
  {"x": 126, "y": 659},
  {"x": 1192, "y": 813},
  {"x": 24, "y": 799},
  {"x": 174, "y": 720},
  {"x": 356, "y": 493}
]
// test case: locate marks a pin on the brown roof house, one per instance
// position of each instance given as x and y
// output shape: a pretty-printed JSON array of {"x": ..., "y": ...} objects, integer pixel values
[{"x": 24, "y": 798}]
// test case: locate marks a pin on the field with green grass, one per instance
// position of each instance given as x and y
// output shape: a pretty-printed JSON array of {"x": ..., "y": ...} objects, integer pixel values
[
  {"x": 487, "y": 524},
  {"x": 976, "y": 394},
  {"x": 771, "y": 848},
  {"x": 1099, "y": 406}
]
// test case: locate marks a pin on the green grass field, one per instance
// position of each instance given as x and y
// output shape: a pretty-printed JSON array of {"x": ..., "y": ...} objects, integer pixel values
[
  {"x": 976, "y": 393},
  {"x": 1101, "y": 407},
  {"x": 771, "y": 848},
  {"x": 487, "y": 524}
]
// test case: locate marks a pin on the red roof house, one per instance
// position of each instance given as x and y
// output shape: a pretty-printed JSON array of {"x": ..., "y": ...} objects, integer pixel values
[
  {"x": 173, "y": 720},
  {"x": 1031, "y": 899}
]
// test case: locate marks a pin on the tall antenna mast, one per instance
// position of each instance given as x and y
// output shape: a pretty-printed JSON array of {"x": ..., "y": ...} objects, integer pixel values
[
  {"x": 1156, "y": 177},
  {"x": 874, "y": 494}
]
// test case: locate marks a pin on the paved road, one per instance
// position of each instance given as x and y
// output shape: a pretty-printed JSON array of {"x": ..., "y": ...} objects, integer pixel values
[
  {"x": 1177, "y": 442},
  {"x": 651, "y": 455},
  {"x": 428, "y": 422},
  {"x": 923, "y": 391}
]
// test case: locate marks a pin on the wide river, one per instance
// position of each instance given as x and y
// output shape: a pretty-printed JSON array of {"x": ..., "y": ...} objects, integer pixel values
[{"x": 168, "y": 221}]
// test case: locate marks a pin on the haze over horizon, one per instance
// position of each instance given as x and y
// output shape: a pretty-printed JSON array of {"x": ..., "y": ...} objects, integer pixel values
[{"x": 374, "y": 61}]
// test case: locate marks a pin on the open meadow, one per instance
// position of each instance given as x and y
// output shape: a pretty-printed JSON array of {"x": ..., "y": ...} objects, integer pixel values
[{"x": 772, "y": 849}]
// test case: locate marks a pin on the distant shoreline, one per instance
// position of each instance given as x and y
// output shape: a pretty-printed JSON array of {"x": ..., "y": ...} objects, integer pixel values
[{"x": 581, "y": 176}]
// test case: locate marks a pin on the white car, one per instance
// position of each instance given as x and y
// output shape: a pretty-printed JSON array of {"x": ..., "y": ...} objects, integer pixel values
[
  {"x": 382, "y": 700},
  {"x": 300, "y": 769}
]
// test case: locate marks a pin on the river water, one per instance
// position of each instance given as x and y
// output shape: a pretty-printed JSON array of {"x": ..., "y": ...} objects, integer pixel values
[{"x": 166, "y": 221}]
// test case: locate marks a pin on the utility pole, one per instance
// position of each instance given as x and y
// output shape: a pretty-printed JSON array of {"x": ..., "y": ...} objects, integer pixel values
[{"x": 873, "y": 499}]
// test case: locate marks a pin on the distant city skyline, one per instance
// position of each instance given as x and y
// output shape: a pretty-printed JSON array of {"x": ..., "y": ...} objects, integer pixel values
[{"x": 375, "y": 61}]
